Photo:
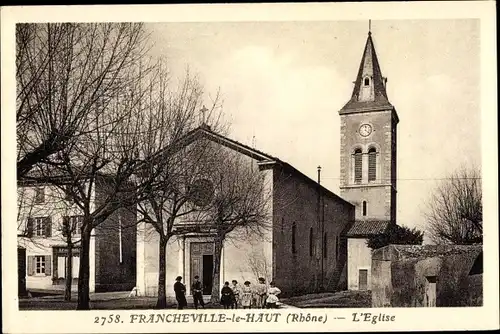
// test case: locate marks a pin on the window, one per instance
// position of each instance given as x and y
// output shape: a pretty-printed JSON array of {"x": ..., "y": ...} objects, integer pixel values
[
  {"x": 325, "y": 249},
  {"x": 72, "y": 224},
  {"x": 358, "y": 169},
  {"x": 367, "y": 81},
  {"x": 39, "y": 195},
  {"x": 311, "y": 245},
  {"x": 68, "y": 193},
  {"x": 372, "y": 164},
  {"x": 294, "y": 232},
  {"x": 39, "y": 264},
  {"x": 337, "y": 246},
  {"x": 364, "y": 208},
  {"x": 39, "y": 227}
]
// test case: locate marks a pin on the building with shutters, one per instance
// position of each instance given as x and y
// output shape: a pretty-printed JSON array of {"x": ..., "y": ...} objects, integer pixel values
[
  {"x": 45, "y": 215},
  {"x": 368, "y": 137}
]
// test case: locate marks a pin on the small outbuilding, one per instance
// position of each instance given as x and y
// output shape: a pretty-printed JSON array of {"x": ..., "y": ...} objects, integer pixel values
[{"x": 427, "y": 276}]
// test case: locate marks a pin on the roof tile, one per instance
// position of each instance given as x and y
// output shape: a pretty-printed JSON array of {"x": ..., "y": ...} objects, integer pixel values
[{"x": 364, "y": 228}]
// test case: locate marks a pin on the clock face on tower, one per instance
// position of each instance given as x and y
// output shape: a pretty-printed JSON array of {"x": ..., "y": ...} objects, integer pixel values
[{"x": 365, "y": 130}]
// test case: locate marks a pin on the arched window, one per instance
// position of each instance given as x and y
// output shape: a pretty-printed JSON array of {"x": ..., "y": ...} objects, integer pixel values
[
  {"x": 364, "y": 208},
  {"x": 358, "y": 167},
  {"x": 372, "y": 164},
  {"x": 294, "y": 232},
  {"x": 311, "y": 244},
  {"x": 325, "y": 249},
  {"x": 367, "y": 81}
]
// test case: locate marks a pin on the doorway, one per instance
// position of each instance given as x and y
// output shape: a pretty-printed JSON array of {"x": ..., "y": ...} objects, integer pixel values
[
  {"x": 363, "y": 279},
  {"x": 207, "y": 278},
  {"x": 430, "y": 291},
  {"x": 21, "y": 271},
  {"x": 202, "y": 264}
]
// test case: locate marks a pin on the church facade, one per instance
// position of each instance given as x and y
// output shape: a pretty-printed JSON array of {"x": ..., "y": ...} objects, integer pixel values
[
  {"x": 303, "y": 251},
  {"x": 368, "y": 163}
]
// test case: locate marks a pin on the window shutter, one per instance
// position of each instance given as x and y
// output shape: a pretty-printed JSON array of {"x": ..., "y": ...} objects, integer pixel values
[
  {"x": 65, "y": 226},
  {"x": 48, "y": 265},
  {"x": 29, "y": 228},
  {"x": 31, "y": 265},
  {"x": 358, "y": 167},
  {"x": 47, "y": 224},
  {"x": 372, "y": 165}
]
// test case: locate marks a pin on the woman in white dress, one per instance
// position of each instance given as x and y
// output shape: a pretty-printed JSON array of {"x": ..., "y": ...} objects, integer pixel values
[
  {"x": 272, "y": 296},
  {"x": 246, "y": 295}
]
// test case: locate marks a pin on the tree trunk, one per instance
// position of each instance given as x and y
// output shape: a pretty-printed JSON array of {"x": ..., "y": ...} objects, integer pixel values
[
  {"x": 215, "y": 298},
  {"x": 161, "y": 303},
  {"x": 84, "y": 272},
  {"x": 69, "y": 269}
]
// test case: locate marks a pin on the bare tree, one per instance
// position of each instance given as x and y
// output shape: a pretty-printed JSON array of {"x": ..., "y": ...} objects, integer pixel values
[
  {"x": 62, "y": 72},
  {"x": 239, "y": 208},
  {"x": 171, "y": 126},
  {"x": 259, "y": 264},
  {"x": 111, "y": 84},
  {"x": 455, "y": 210}
]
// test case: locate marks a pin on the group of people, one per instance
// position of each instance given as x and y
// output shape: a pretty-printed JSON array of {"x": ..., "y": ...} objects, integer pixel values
[
  {"x": 260, "y": 296},
  {"x": 232, "y": 296}
]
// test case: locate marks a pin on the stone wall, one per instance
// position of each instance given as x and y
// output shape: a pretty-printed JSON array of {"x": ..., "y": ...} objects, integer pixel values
[{"x": 405, "y": 284}]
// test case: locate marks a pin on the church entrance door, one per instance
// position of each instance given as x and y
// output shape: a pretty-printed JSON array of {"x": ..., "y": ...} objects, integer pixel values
[{"x": 202, "y": 264}]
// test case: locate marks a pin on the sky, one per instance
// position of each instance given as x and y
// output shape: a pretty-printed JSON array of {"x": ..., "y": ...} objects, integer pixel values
[{"x": 284, "y": 83}]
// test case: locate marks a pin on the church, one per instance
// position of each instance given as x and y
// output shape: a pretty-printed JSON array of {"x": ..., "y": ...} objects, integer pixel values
[
  {"x": 302, "y": 251},
  {"x": 368, "y": 130},
  {"x": 310, "y": 247}
]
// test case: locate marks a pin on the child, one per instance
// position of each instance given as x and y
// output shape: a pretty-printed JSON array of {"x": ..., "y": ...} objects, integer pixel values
[
  {"x": 272, "y": 296},
  {"x": 236, "y": 294},
  {"x": 226, "y": 296},
  {"x": 260, "y": 293},
  {"x": 246, "y": 295}
]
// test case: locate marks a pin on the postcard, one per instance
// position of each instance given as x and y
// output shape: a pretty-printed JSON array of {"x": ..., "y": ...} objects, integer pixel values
[{"x": 249, "y": 167}]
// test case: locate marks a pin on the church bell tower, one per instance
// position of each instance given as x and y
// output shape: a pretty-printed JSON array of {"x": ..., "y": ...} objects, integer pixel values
[{"x": 368, "y": 130}]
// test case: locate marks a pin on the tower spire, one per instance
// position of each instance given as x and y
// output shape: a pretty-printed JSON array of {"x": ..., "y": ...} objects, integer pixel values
[
  {"x": 369, "y": 88},
  {"x": 369, "y": 27}
]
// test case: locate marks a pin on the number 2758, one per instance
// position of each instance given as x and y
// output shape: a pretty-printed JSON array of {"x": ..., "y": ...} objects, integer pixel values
[{"x": 109, "y": 319}]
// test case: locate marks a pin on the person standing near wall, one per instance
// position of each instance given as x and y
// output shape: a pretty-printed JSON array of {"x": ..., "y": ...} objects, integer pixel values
[
  {"x": 246, "y": 295},
  {"x": 260, "y": 293},
  {"x": 236, "y": 294},
  {"x": 180, "y": 293},
  {"x": 272, "y": 296},
  {"x": 226, "y": 296},
  {"x": 197, "y": 291}
]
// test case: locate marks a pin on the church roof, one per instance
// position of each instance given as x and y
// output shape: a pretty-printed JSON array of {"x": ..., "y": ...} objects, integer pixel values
[
  {"x": 366, "y": 228},
  {"x": 261, "y": 157},
  {"x": 368, "y": 68}
]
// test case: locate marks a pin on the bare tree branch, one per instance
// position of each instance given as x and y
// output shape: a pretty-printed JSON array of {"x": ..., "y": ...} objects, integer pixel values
[{"x": 455, "y": 211}]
